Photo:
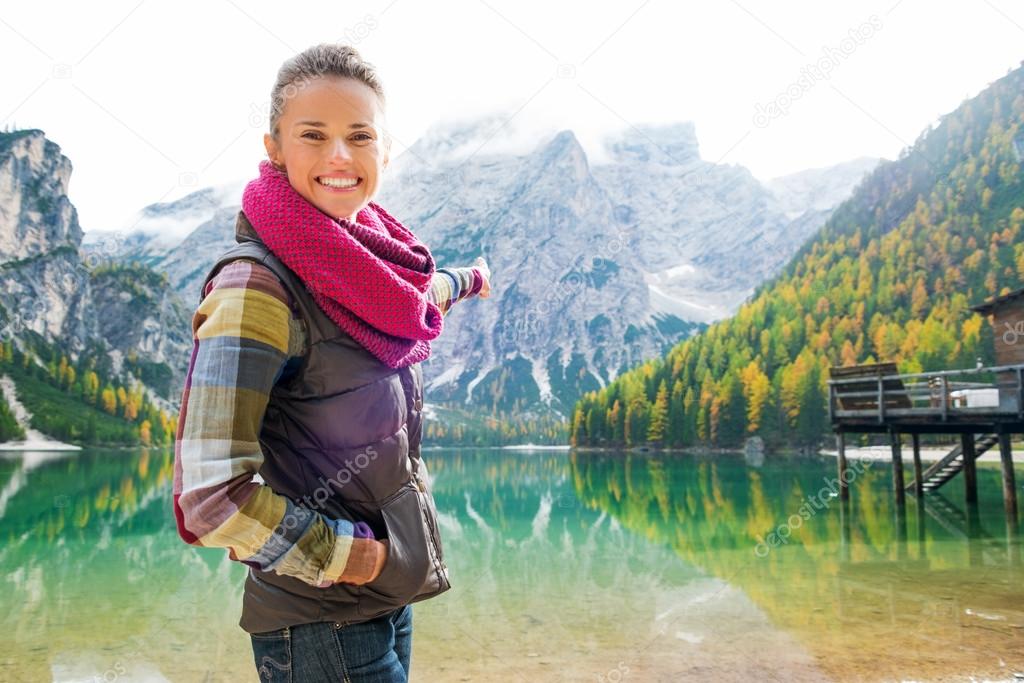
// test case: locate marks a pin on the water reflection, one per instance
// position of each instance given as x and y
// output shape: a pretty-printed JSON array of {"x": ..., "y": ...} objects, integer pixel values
[
  {"x": 862, "y": 597},
  {"x": 565, "y": 566}
]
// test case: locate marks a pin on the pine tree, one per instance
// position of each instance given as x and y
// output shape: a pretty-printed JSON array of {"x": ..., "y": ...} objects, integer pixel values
[{"x": 658, "y": 427}]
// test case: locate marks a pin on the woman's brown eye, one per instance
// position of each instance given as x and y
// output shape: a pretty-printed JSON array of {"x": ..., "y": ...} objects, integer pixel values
[{"x": 309, "y": 134}]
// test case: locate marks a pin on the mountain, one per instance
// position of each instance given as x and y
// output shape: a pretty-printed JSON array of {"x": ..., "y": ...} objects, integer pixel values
[
  {"x": 819, "y": 190},
  {"x": 572, "y": 308},
  {"x": 69, "y": 319},
  {"x": 889, "y": 276},
  {"x": 157, "y": 229},
  {"x": 596, "y": 267},
  {"x": 708, "y": 233},
  {"x": 187, "y": 264}
]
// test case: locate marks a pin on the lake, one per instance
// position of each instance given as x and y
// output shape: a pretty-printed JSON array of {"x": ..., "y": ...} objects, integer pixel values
[{"x": 565, "y": 566}]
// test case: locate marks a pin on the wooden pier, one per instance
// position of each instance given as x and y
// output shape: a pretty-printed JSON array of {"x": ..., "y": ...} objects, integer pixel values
[{"x": 983, "y": 406}]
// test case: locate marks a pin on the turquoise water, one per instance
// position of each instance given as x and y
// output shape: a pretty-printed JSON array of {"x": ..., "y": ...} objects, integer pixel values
[{"x": 566, "y": 566}]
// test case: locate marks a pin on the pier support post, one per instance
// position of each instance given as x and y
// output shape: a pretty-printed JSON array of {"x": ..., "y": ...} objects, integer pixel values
[
  {"x": 975, "y": 542},
  {"x": 922, "y": 513},
  {"x": 970, "y": 474},
  {"x": 1009, "y": 481},
  {"x": 844, "y": 489},
  {"x": 845, "y": 552},
  {"x": 918, "y": 484},
  {"x": 900, "y": 519},
  {"x": 897, "y": 468}
]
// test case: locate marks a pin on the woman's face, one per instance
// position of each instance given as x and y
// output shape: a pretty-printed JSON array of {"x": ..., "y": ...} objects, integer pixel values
[{"x": 331, "y": 143}]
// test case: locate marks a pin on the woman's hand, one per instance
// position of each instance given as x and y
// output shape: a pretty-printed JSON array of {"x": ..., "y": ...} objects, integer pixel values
[
  {"x": 382, "y": 558},
  {"x": 485, "y": 290},
  {"x": 381, "y": 548}
]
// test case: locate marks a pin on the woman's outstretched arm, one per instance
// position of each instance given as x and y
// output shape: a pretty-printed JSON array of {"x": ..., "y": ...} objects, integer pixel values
[
  {"x": 451, "y": 285},
  {"x": 240, "y": 347}
]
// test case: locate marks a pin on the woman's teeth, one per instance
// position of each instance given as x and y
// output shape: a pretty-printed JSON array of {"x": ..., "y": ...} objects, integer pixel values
[{"x": 341, "y": 183}]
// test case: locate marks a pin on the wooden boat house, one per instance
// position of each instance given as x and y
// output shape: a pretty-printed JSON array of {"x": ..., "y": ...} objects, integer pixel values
[{"x": 984, "y": 406}]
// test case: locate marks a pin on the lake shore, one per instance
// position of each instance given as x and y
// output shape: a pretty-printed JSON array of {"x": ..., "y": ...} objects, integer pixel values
[
  {"x": 930, "y": 454},
  {"x": 37, "y": 444}
]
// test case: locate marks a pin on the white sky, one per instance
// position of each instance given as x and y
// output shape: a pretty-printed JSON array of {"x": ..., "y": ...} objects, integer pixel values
[{"x": 152, "y": 100}]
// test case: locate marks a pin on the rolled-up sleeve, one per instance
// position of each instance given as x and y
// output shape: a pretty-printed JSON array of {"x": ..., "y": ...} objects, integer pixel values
[{"x": 450, "y": 285}]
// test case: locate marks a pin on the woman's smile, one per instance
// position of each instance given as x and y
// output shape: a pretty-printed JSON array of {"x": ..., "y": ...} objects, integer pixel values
[{"x": 339, "y": 184}]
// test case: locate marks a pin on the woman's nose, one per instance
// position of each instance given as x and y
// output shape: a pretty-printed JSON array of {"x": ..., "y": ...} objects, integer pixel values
[{"x": 339, "y": 151}]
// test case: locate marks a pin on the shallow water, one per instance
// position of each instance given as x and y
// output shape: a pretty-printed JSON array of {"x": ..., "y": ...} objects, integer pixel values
[{"x": 565, "y": 567}]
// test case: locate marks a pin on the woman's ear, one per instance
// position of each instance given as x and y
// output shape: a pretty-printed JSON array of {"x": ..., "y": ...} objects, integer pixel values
[{"x": 272, "y": 152}]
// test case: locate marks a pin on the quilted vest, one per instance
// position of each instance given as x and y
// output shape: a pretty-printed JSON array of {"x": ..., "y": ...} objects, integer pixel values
[{"x": 341, "y": 435}]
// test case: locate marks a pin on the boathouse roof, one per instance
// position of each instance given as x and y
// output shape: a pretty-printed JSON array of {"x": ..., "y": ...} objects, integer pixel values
[{"x": 992, "y": 304}]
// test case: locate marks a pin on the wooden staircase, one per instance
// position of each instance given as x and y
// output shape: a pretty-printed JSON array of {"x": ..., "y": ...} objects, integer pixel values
[
  {"x": 950, "y": 465},
  {"x": 949, "y": 516}
]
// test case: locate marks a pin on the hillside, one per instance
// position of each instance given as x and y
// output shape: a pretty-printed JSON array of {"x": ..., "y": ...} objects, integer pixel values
[{"x": 890, "y": 276}]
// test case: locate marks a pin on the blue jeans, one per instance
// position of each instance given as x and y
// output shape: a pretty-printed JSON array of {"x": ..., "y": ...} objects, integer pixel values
[{"x": 375, "y": 651}]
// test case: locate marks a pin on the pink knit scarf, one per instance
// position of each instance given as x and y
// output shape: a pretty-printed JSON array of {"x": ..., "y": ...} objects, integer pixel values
[{"x": 370, "y": 277}]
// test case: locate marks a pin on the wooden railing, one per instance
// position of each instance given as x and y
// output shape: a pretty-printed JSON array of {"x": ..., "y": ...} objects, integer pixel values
[{"x": 943, "y": 394}]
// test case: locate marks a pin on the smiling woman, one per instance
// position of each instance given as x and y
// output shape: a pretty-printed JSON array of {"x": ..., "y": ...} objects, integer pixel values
[{"x": 305, "y": 370}]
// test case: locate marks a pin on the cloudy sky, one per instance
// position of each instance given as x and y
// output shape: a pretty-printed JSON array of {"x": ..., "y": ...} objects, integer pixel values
[{"x": 152, "y": 100}]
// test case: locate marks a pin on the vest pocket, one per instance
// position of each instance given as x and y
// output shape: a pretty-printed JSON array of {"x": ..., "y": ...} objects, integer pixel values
[
  {"x": 409, "y": 558},
  {"x": 437, "y": 581}
]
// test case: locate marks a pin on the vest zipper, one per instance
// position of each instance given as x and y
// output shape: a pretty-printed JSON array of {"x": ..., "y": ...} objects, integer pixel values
[{"x": 430, "y": 524}]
